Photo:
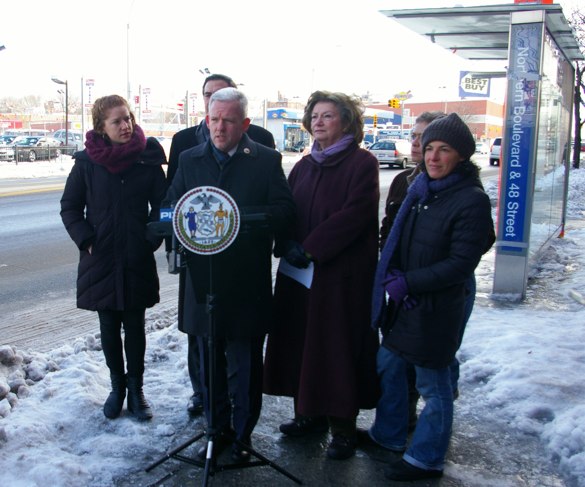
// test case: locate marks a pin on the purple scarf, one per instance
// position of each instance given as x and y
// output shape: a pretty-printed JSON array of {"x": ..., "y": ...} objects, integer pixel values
[
  {"x": 341, "y": 144},
  {"x": 116, "y": 158}
]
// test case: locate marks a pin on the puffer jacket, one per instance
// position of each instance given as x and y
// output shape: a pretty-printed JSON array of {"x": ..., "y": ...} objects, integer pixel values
[
  {"x": 110, "y": 212},
  {"x": 440, "y": 245}
]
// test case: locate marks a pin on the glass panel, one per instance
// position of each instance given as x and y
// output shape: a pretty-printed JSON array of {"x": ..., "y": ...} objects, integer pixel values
[{"x": 553, "y": 146}]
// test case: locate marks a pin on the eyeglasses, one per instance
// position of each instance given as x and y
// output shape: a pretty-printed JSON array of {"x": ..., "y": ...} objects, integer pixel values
[{"x": 414, "y": 136}]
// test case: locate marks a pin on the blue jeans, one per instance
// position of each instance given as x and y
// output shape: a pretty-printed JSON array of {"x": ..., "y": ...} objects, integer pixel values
[{"x": 430, "y": 440}]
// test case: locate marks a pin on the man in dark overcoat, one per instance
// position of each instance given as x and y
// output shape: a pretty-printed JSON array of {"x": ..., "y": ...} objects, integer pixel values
[
  {"x": 183, "y": 140},
  {"x": 241, "y": 275}
]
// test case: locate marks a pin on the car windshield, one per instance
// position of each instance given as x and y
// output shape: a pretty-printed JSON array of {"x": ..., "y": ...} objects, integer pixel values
[
  {"x": 383, "y": 146},
  {"x": 26, "y": 141}
]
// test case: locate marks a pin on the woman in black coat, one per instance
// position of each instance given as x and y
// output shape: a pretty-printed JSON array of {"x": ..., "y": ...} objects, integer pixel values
[
  {"x": 441, "y": 231},
  {"x": 114, "y": 189}
]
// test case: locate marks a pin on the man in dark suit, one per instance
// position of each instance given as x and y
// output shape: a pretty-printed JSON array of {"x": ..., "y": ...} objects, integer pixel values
[
  {"x": 241, "y": 276},
  {"x": 192, "y": 136},
  {"x": 183, "y": 140}
]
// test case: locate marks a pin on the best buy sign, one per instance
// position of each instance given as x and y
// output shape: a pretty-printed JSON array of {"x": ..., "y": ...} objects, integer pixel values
[{"x": 473, "y": 87}]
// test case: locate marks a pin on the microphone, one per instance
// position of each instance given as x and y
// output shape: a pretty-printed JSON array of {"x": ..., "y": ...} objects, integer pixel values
[{"x": 164, "y": 226}]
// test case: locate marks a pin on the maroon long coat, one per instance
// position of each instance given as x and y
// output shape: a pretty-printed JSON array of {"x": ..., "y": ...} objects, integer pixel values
[{"x": 322, "y": 350}]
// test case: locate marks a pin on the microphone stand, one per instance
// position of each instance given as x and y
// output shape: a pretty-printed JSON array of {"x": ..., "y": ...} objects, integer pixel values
[{"x": 210, "y": 466}]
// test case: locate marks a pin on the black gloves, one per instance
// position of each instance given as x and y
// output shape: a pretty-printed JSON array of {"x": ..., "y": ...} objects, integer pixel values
[{"x": 296, "y": 256}]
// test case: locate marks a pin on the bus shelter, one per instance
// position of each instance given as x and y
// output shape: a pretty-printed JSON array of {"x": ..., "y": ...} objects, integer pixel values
[{"x": 539, "y": 47}]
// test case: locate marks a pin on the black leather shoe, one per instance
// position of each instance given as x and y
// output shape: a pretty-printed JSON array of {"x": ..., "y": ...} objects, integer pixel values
[
  {"x": 220, "y": 443},
  {"x": 195, "y": 407},
  {"x": 305, "y": 425},
  {"x": 240, "y": 453},
  {"x": 405, "y": 472},
  {"x": 341, "y": 447}
]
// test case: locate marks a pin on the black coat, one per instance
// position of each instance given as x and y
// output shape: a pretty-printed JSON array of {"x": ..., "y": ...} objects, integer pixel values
[
  {"x": 110, "y": 212},
  {"x": 242, "y": 277},
  {"x": 440, "y": 245},
  {"x": 183, "y": 140},
  {"x": 192, "y": 136}
]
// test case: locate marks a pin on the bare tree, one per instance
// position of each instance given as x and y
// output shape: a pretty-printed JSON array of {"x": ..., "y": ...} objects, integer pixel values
[
  {"x": 577, "y": 22},
  {"x": 19, "y": 105}
]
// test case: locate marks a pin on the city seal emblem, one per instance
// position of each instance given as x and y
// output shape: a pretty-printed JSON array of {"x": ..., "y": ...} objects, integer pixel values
[{"x": 206, "y": 220}]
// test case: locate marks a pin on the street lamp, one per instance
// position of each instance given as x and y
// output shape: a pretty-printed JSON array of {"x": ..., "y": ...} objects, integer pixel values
[{"x": 59, "y": 82}]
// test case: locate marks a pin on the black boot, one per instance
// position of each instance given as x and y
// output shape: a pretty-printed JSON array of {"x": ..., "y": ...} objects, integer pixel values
[
  {"x": 137, "y": 404},
  {"x": 115, "y": 401}
]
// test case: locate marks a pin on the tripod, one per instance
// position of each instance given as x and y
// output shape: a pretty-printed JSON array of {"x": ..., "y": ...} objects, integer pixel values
[{"x": 210, "y": 465}]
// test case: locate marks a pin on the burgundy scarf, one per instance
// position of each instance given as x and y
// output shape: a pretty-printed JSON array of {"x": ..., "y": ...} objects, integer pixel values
[{"x": 116, "y": 158}]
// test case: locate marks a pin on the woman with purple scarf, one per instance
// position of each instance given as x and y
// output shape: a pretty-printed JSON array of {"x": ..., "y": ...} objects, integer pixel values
[
  {"x": 322, "y": 350},
  {"x": 442, "y": 229},
  {"x": 114, "y": 189}
]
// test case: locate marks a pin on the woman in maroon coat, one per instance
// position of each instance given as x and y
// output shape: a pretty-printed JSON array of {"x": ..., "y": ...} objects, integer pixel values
[{"x": 322, "y": 350}]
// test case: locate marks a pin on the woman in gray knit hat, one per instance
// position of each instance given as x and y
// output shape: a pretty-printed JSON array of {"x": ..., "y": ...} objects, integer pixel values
[{"x": 441, "y": 231}]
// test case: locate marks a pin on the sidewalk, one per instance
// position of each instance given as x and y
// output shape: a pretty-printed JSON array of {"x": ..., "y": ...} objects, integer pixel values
[{"x": 481, "y": 454}]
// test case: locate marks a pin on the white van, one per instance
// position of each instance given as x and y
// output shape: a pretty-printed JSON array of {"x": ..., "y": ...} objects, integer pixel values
[{"x": 495, "y": 151}]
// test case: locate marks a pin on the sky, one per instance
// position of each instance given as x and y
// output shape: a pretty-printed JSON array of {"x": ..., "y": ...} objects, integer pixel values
[
  {"x": 522, "y": 367},
  {"x": 291, "y": 47}
]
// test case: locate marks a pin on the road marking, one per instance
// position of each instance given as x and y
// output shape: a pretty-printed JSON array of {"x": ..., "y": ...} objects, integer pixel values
[{"x": 32, "y": 190}]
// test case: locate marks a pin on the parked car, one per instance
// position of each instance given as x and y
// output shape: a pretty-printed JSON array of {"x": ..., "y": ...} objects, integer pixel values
[
  {"x": 75, "y": 138},
  {"x": 298, "y": 146},
  {"x": 6, "y": 153},
  {"x": 32, "y": 147},
  {"x": 391, "y": 152},
  {"x": 495, "y": 150},
  {"x": 6, "y": 139}
]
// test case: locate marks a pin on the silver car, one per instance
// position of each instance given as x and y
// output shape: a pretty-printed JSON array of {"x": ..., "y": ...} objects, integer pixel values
[
  {"x": 391, "y": 152},
  {"x": 6, "y": 153},
  {"x": 75, "y": 138}
]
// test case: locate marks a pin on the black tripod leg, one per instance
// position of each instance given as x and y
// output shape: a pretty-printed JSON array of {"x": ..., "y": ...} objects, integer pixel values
[
  {"x": 266, "y": 461},
  {"x": 172, "y": 453}
]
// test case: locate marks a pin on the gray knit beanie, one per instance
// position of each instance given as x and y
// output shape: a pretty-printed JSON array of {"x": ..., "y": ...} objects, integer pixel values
[{"x": 454, "y": 131}]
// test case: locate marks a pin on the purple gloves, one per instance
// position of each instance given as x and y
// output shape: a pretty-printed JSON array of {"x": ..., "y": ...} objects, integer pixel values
[{"x": 397, "y": 288}]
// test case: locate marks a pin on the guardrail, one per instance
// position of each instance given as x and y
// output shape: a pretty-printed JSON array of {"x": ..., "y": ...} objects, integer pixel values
[{"x": 36, "y": 153}]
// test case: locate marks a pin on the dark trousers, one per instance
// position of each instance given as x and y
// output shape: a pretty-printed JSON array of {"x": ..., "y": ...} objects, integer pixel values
[
  {"x": 134, "y": 343},
  {"x": 245, "y": 358},
  {"x": 193, "y": 364}
]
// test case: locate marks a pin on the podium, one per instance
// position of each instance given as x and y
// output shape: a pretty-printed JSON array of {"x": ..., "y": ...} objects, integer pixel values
[{"x": 206, "y": 221}]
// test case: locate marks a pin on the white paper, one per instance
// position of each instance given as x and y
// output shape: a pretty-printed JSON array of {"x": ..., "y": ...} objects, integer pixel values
[{"x": 302, "y": 276}]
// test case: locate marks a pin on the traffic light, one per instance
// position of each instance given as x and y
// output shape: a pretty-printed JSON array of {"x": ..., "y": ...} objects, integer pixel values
[
  {"x": 375, "y": 120},
  {"x": 394, "y": 103}
]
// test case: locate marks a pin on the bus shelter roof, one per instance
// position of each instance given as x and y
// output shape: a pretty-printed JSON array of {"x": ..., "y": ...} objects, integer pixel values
[{"x": 482, "y": 33}]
